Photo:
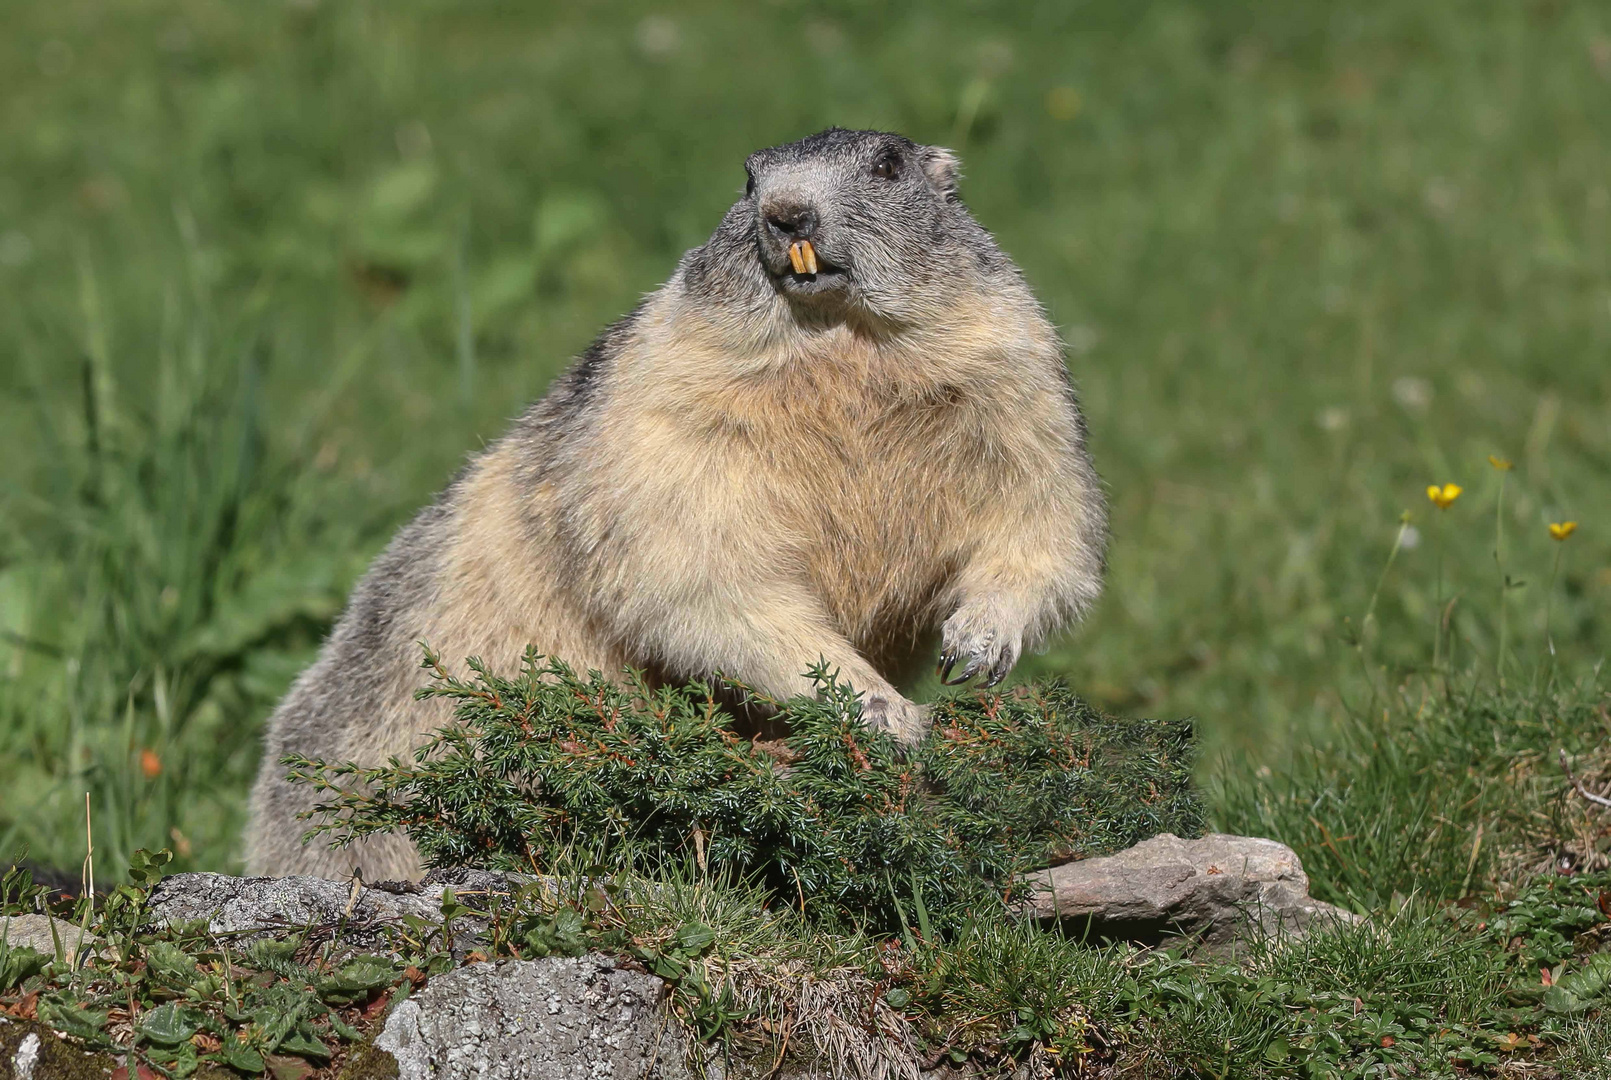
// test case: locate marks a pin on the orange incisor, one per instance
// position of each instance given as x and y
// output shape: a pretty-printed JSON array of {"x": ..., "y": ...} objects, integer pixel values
[{"x": 803, "y": 257}]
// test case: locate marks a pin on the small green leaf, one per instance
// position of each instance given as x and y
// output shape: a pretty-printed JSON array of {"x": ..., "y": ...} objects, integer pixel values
[
  {"x": 146, "y": 868},
  {"x": 1578, "y": 991},
  {"x": 668, "y": 966},
  {"x": 569, "y": 926},
  {"x": 18, "y": 963},
  {"x": 1277, "y": 1050},
  {"x": 897, "y": 998},
  {"x": 451, "y": 908},
  {"x": 180, "y": 1060},
  {"x": 402, "y": 190},
  {"x": 169, "y": 961},
  {"x": 357, "y": 978},
  {"x": 694, "y": 938},
  {"x": 170, "y": 1024},
  {"x": 266, "y": 953},
  {"x": 73, "y": 1019},
  {"x": 304, "y": 1043},
  {"x": 242, "y": 1057},
  {"x": 280, "y": 1009},
  {"x": 343, "y": 1030}
]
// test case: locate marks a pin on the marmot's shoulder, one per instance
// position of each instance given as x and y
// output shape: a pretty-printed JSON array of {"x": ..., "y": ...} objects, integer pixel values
[
  {"x": 579, "y": 385},
  {"x": 579, "y": 390}
]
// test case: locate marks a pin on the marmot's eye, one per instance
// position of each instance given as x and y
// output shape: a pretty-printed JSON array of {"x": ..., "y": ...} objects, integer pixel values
[
  {"x": 749, "y": 184},
  {"x": 887, "y": 167}
]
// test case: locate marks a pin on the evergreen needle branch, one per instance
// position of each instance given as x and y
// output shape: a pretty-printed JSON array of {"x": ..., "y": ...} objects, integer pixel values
[{"x": 551, "y": 769}]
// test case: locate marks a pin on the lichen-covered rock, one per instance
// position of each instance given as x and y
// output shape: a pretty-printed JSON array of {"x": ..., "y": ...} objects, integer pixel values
[
  {"x": 591, "y": 1017},
  {"x": 358, "y": 916},
  {"x": 1219, "y": 887},
  {"x": 557, "y": 1018}
]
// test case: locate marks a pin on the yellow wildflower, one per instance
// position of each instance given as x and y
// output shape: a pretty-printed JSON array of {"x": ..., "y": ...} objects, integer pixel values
[
  {"x": 1560, "y": 530},
  {"x": 1502, "y": 464},
  {"x": 1443, "y": 496}
]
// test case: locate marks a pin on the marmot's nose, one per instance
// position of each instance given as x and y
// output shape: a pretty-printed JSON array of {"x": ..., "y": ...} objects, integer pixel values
[{"x": 792, "y": 222}]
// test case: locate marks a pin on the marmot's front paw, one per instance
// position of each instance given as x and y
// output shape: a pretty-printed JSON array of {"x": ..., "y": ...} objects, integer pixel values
[
  {"x": 906, "y": 720},
  {"x": 975, "y": 637}
]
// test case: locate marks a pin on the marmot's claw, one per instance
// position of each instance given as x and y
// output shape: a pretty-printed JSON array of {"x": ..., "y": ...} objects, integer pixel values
[
  {"x": 1002, "y": 666},
  {"x": 965, "y": 674},
  {"x": 976, "y": 633}
]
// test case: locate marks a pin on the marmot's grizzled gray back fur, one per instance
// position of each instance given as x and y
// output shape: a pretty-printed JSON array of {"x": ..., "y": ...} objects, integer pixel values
[{"x": 757, "y": 468}]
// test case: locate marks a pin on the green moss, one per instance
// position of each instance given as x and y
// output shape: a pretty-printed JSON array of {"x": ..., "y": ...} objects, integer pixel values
[
  {"x": 369, "y": 1062},
  {"x": 56, "y": 1059}
]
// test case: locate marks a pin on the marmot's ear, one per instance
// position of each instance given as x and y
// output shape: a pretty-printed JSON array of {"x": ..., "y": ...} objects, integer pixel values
[{"x": 942, "y": 169}]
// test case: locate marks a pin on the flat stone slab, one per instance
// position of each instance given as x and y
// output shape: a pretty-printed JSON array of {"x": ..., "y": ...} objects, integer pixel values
[
  {"x": 1219, "y": 888},
  {"x": 559, "y": 1018},
  {"x": 35, "y": 932}
]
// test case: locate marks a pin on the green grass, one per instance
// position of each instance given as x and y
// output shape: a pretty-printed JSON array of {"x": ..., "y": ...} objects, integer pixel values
[
  {"x": 271, "y": 271},
  {"x": 1439, "y": 798}
]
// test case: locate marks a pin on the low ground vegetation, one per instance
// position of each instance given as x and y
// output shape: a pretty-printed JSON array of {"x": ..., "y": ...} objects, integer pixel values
[{"x": 1477, "y": 965}]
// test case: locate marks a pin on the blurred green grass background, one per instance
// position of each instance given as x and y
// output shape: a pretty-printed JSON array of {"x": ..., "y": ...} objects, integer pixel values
[{"x": 269, "y": 271}]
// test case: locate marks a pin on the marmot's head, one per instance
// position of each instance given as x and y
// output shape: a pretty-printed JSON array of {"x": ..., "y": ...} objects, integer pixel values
[{"x": 853, "y": 220}]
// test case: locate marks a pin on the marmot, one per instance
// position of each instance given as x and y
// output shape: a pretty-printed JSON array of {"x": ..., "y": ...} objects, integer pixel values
[{"x": 843, "y": 424}]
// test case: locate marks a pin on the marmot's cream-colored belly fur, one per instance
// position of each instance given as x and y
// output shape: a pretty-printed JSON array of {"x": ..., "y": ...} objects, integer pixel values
[{"x": 841, "y": 428}]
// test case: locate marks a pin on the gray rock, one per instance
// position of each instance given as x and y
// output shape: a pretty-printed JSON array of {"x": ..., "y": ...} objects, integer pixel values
[
  {"x": 35, "y": 932},
  {"x": 589, "y": 1017},
  {"x": 1220, "y": 888},
  {"x": 553, "y": 1019},
  {"x": 328, "y": 910}
]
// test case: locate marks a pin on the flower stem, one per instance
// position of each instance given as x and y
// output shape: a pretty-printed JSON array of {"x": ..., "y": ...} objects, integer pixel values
[
  {"x": 1398, "y": 542},
  {"x": 1437, "y": 609},
  {"x": 1504, "y": 582},
  {"x": 1370, "y": 608},
  {"x": 1549, "y": 611}
]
